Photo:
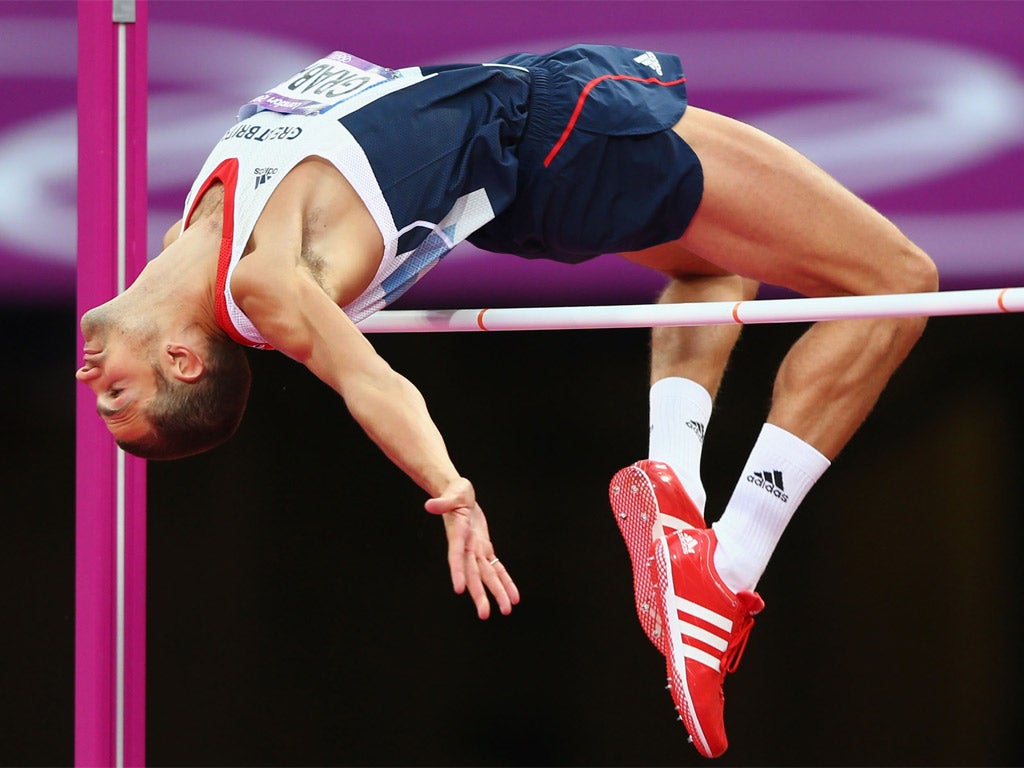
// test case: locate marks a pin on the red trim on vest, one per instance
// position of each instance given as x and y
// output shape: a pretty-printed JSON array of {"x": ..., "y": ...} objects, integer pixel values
[
  {"x": 227, "y": 174},
  {"x": 583, "y": 97}
]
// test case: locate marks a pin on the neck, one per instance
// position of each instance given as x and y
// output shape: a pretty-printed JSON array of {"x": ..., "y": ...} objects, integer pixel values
[{"x": 179, "y": 285}]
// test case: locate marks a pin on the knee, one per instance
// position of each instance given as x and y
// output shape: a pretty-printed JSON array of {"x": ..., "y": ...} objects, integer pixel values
[
  {"x": 915, "y": 273},
  {"x": 912, "y": 270}
]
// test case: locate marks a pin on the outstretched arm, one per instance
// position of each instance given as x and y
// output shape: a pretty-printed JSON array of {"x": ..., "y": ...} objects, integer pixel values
[{"x": 300, "y": 320}]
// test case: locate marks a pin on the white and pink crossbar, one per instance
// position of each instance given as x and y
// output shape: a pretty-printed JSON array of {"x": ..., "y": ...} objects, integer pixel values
[{"x": 986, "y": 301}]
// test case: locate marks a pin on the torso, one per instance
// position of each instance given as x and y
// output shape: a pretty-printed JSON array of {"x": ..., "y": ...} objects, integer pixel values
[
  {"x": 313, "y": 222},
  {"x": 329, "y": 196}
]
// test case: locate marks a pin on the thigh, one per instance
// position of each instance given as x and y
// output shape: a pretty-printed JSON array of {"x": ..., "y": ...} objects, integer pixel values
[
  {"x": 770, "y": 214},
  {"x": 676, "y": 260}
]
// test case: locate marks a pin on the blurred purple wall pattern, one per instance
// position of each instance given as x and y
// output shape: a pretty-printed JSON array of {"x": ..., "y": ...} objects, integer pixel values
[{"x": 918, "y": 107}]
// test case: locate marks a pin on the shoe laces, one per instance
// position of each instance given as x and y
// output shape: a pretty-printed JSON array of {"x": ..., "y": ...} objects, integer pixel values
[{"x": 737, "y": 644}]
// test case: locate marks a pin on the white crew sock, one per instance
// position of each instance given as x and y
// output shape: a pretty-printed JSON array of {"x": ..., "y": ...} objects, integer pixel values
[
  {"x": 780, "y": 471},
  {"x": 680, "y": 409}
]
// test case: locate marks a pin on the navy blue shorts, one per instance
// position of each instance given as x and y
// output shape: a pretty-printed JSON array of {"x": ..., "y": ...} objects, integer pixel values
[{"x": 600, "y": 170}]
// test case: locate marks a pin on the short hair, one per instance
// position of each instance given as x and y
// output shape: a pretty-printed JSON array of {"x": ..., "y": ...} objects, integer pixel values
[{"x": 187, "y": 418}]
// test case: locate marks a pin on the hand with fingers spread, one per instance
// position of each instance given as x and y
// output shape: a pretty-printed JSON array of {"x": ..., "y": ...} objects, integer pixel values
[{"x": 474, "y": 566}]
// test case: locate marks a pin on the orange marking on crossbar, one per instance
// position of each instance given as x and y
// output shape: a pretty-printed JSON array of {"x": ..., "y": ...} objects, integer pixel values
[
  {"x": 999, "y": 300},
  {"x": 736, "y": 312},
  {"x": 480, "y": 319}
]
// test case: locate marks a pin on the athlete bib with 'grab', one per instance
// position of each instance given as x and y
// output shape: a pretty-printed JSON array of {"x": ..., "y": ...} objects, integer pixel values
[{"x": 323, "y": 84}]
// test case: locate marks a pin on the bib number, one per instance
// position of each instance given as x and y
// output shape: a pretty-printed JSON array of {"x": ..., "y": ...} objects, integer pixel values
[{"x": 320, "y": 86}]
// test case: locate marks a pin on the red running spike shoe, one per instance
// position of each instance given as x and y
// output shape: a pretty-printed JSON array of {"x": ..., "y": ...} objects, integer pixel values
[
  {"x": 649, "y": 501},
  {"x": 706, "y": 628}
]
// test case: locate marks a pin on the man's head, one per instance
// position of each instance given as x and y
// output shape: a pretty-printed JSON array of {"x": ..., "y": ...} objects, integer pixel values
[{"x": 163, "y": 399}]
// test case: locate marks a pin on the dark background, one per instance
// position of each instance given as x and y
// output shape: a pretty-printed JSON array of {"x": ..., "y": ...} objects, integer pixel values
[{"x": 299, "y": 605}]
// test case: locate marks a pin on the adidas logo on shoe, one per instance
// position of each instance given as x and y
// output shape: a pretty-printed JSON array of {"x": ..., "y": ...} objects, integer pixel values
[
  {"x": 648, "y": 59},
  {"x": 687, "y": 543},
  {"x": 771, "y": 481}
]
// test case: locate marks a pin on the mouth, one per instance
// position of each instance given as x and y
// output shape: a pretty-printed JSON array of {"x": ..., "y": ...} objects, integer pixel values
[{"x": 91, "y": 361}]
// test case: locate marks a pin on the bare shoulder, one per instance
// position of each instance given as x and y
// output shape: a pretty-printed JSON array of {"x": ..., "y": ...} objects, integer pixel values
[
  {"x": 275, "y": 297},
  {"x": 295, "y": 315},
  {"x": 264, "y": 284}
]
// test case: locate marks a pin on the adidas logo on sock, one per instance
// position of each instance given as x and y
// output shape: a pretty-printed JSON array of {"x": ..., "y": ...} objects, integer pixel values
[
  {"x": 771, "y": 481},
  {"x": 698, "y": 429},
  {"x": 648, "y": 59}
]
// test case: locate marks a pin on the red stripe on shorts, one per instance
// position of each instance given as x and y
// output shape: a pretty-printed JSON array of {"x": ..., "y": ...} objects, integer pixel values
[{"x": 582, "y": 99}]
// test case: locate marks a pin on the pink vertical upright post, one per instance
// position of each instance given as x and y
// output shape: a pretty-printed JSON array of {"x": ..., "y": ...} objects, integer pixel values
[{"x": 110, "y": 569}]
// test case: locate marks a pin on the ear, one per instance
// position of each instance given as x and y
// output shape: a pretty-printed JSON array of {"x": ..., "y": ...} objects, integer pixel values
[{"x": 185, "y": 363}]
